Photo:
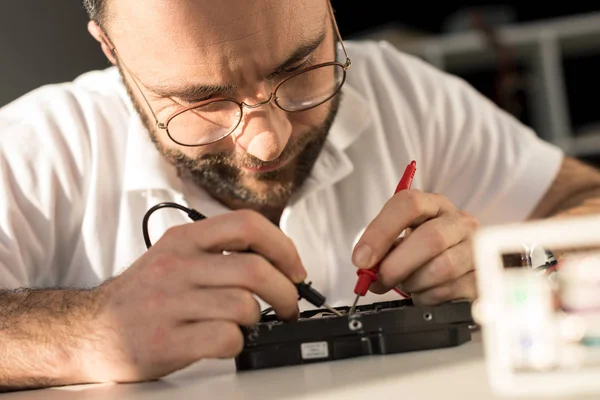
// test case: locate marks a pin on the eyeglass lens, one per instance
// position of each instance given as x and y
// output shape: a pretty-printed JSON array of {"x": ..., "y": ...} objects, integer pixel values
[{"x": 215, "y": 120}]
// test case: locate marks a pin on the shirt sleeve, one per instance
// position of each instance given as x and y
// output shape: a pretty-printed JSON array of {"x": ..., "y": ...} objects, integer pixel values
[
  {"x": 40, "y": 189},
  {"x": 482, "y": 158}
]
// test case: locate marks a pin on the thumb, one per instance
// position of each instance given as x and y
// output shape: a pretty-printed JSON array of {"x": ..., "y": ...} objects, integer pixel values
[{"x": 377, "y": 287}]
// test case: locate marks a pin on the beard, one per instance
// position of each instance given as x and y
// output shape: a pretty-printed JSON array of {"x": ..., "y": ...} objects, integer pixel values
[{"x": 222, "y": 175}]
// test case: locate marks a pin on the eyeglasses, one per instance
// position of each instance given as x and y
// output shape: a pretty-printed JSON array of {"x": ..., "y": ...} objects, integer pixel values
[{"x": 211, "y": 120}]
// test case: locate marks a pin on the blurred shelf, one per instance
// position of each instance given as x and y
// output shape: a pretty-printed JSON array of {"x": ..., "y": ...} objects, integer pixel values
[
  {"x": 574, "y": 35},
  {"x": 540, "y": 46}
]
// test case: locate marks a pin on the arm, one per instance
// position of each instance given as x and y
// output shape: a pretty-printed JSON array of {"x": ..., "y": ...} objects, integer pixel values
[
  {"x": 41, "y": 333},
  {"x": 478, "y": 166},
  {"x": 575, "y": 191},
  {"x": 40, "y": 330},
  {"x": 182, "y": 301}
]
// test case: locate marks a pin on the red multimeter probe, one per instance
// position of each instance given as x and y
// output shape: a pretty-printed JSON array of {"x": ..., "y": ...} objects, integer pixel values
[{"x": 368, "y": 276}]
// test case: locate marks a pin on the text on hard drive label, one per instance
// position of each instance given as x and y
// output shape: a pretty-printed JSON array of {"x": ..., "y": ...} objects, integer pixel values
[{"x": 314, "y": 350}]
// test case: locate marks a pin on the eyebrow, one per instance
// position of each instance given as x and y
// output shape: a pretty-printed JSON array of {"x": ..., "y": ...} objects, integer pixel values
[{"x": 200, "y": 91}]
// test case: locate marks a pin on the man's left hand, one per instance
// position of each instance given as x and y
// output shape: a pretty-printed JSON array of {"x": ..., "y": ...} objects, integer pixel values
[{"x": 433, "y": 261}]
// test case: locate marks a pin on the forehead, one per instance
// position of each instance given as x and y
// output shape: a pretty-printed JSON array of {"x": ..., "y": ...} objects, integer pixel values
[{"x": 161, "y": 38}]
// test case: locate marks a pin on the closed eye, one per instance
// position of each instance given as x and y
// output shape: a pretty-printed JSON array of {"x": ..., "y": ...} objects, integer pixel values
[
  {"x": 288, "y": 71},
  {"x": 278, "y": 74},
  {"x": 309, "y": 62},
  {"x": 193, "y": 101}
]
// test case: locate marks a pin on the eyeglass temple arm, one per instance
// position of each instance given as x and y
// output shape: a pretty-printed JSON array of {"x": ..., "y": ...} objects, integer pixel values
[
  {"x": 115, "y": 54},
  {"x": 339, "y": 36},
  {"x": 159, "y": 124}
]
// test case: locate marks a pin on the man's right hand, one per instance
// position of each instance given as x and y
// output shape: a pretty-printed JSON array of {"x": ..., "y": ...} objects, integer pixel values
[{"x": 184, "y": 300}]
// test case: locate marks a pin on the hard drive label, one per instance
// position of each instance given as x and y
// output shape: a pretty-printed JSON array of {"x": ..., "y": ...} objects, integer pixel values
[{"x": 314, "y": 350}]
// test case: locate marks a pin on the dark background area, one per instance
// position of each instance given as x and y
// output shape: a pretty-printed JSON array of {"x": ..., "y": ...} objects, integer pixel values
[
  {"x": 580, "y": 73},
  {"x": 356, "y": 16}
]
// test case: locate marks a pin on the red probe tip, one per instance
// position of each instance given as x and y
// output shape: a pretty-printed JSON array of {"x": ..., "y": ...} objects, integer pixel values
[{"x": 365, "y": 278}]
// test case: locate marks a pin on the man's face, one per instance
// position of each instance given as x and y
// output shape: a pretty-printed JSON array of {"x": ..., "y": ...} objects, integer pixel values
[{"x": 240, "y": 49}]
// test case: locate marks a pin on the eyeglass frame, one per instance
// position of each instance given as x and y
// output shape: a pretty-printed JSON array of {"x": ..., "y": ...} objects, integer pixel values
[{"x": 241, "y": 105}]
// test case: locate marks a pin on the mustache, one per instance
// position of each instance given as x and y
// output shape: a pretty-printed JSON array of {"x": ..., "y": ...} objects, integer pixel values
[{"x": 229, "y": 159}]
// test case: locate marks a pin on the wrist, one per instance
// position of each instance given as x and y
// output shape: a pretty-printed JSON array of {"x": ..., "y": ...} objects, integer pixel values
[
  {"x": 78, "y": 338},
  {"x": 92, "y": 352}
]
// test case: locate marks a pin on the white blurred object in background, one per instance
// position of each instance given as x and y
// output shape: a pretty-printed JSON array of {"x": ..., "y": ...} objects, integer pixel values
[{"x": 541, "y": 336}]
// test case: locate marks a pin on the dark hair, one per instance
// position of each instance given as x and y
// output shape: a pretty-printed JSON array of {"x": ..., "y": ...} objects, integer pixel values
[{"x": 96, "y": 10}]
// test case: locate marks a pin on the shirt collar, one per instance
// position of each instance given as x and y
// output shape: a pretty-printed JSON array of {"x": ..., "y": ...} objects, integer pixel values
[
  {"x": 333, "y": 163},
  {"x": 354, "y": 116},
  {"x": 147, "y": 169}
]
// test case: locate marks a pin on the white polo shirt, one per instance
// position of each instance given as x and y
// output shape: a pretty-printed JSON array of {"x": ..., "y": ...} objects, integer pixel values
[{"x": 78, "y": 172}]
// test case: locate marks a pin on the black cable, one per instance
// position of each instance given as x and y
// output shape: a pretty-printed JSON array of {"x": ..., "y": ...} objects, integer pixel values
[
  {"x": 266, "y": 311},
  {"x": 305, "y": 291},
  {"x": 547, "y": 265},
  {"x": 193, "y": 214}
]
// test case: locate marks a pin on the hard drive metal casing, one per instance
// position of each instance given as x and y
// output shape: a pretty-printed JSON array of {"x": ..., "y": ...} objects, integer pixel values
[{"x": 378, "y": 328}]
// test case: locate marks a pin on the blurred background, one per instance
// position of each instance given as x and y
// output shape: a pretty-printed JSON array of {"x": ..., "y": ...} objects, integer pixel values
[{"x": 539, "y": 63}]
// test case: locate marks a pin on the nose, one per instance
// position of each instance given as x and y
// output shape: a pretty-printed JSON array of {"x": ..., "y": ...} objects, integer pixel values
[{"x": 265, "y": 130}]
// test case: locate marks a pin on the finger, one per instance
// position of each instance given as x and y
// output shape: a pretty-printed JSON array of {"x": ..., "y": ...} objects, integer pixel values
[
  {"x": 248, "y": 230},
  {"x": 424, "y": 244},
  {"x": 251, "y": 272},
  {"x": 463, "y": 288},
  {"x": 209, "y": 339},
  {"x": 405, "y": 209},
  {"x": 377, "y": 287},
  {"x": 446, "y": 267},
  {"x": 231, "y": 304}
]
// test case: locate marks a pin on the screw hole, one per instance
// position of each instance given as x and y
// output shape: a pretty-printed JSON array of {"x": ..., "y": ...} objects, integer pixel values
[
  {"x": 427, "y": 316},
  {"x": 355, "y": 325}
]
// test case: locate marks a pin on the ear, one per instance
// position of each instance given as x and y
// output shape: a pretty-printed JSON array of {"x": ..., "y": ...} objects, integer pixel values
[{"x": 99, "y": 35}]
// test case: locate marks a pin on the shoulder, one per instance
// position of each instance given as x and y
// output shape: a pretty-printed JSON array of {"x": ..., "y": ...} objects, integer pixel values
[
  {"x": 58, "y": 128},
  {"x": 67, "y": 116},
  {"x": 86, "y": 99},
  {"x": 381, "y": 53},
  {"x": 433, "y": 106},
  {"x": 382, "y": 70}
]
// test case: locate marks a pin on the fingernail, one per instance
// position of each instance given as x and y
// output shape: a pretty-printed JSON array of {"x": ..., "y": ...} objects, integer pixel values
[
  {"x": 362, "y": 256},
  {"x": 299, "y": 274},
  {"x": 297, "y": 278}
]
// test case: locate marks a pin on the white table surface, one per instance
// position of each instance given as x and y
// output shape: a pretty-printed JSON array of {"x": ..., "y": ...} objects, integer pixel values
[{"x": 451, "y": 373}]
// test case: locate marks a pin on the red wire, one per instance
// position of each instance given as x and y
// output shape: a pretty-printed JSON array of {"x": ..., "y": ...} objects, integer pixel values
[
  {"x": 550, "y": 269},
  {"x": 401, "y": 293}
]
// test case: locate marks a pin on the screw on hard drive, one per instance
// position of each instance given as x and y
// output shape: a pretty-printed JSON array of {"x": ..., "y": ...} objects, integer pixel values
[
  {"x": 354, "y": 324},
  {"x": 427, "y": 316}
]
